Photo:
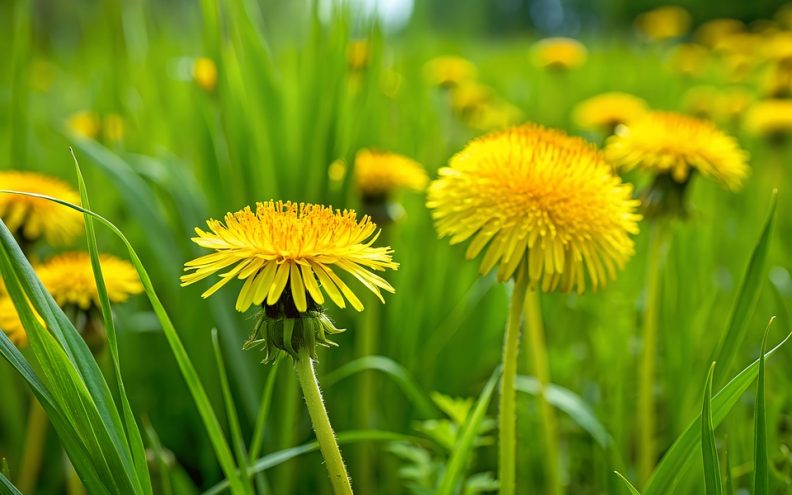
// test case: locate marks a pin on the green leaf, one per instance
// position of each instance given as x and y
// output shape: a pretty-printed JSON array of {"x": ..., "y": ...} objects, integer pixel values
[
  {"x": 748, "y": 296},
  {"x": 460, "y": 456},
  {"x": 633, "y": 490},
  {"x": 712, "y": 478},
  {"x": 572, "y": 404},
  {"x": 682, "y": 452},
  {"x": 761, "y": 462},
  {"x": 6, "y": 487}
]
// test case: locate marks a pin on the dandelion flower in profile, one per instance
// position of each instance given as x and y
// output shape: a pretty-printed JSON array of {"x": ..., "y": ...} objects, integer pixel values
[
  {"x": 379, "y": 173},
  {"x": 663, "y": 23},
  {"x": 70, "y": 279},
  {"x": 604, "y": 112},
  {"x": 32, "y": 218},
  {"x": 205, "y": 73},
  {"x": 10, "y": 323},
  {"x": 358, "y": 54},
  {"x": 689, "y": 59},
  {"x": 84, "y": 124},
  {"x": 466, "y": 97},
  {"x": 713, "y": 31},
  {"x": 449, "y": 71},
  {"x": 283, "y": 248},
  {"x": 770, "y": 119},
  {"x": 674, "y": 144},
  {"x": 494, "y": 115},
  {"x": 542, "y": 203},
  {"x": 559, "y": 53}
]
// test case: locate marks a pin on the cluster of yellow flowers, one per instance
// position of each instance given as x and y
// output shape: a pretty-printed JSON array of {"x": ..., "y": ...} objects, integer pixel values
[{"x": 89, "y": 125}]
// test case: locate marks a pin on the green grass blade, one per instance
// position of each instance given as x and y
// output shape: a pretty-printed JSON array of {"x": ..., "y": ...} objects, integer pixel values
[
  {"x": 747, "y": 297},
  {"x": 460, "y": 457},
  {"x": 630, "y": 487},
  {"x": 274, "y": 459},
  {"x": 6, "y": 487},
  {"x": 135, "y": 441},
  {"x": 712, "y": 478},
  {"x": 263, "y": 411},
  {"x": 570, "y": 403},
  {"x": 393, "y": 370},
  {"x": 682, "y": 452},
  {"x": 761, "y": 461}
]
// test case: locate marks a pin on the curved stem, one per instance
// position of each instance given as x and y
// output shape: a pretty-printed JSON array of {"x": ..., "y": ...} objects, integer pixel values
[
  {"x": 507, "y": 417},
  {"x": 321, "y": 424},
  {"x": 646, "y": 406},
  {"x": 537, "y": 351},
  {"x": 34, "y": 447}
]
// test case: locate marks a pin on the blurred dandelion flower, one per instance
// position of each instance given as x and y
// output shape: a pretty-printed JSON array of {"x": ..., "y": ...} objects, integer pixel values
[
  {"x": 84, "y": 124},
  {"x": 467, "y": 96},
  {"x": 670, "y": 143},
  {"x": 547, "y": 204},
  {"x": 702, "y": 102},
  {"x": 494, "y": 115},
  {"x": 113, "y": 127},
  {"x": 205, "y": 73},
  {"x": 10, "y": 323},
  {"x": 778, "y": 47},
  {"x": 449, "y": 71},
  {"x": 289, "y": 244},
  {"x": 32, "y": 218},
  {"x": 378, "y": 173},
  {"x": 70, "y": 279},
  {"x": 776, "y": 81},
  {"x": 358, "y": 54},
  {"x": 712, "y": 32},
  {"x": 689, "y": 59},
  {"x": 771, "y": 119},
  {"x": 608, "y": 110},
  {"x": 662, "y": 23},
  {"x": 559, "y": 53}
]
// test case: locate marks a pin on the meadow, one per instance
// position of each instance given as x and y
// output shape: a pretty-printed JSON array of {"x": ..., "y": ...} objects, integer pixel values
[{"x": 161, "y": 115}]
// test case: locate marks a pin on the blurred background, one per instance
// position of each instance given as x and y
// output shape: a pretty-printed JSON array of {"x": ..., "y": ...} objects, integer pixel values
[{"x": 182, "y": 110}]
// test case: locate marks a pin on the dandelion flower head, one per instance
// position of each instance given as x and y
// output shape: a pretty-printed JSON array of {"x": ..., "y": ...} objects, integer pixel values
[
  {"x": 282, "y": 245},
  {"x": 538, "y": 203},
  {"x": 559, "y": 53},
  {"x": 608, "y": 110},
  {"x": 379, "y": 173},
  {"x": 449, "y": 71}
]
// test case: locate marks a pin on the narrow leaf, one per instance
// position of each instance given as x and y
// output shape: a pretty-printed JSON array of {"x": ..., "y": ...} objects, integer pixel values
[
  {"x": 761, "y": 462},
  {"x": 712, "y": 479}
]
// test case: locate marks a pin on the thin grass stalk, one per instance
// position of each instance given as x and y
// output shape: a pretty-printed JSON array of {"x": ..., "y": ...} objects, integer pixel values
[
  {"x": 35, "y": 436},
  {"x": 328, "y": 445},
  {"x": 537, "y": 351},
  {"x": 368, "y": 343},
  {"x": 647, "y": 449},
  {"x": 507, "y": 417}
]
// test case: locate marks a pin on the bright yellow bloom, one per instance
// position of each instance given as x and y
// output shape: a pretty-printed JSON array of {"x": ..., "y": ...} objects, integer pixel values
[
  {"x": 778, "y": 47},
  {"x": 712, "y": 32},
  {"x": 666, "y": 142},
  {"x": 33, "y": 218},
  {"x": 205, "y": 73},
  {"x": 70, "y": 279},
  {"x": 702, "y": 102},
  {"x": 449, "y": 70},
  {"x": 468, "y": 95},
  {"x": 378, "y": 173},
  {"x": 84, "y": 124},
  {"x": 284, "y": 244},
  {"x": 559, "y": 53},
  {"x": 113, "y": 127},
  {"x": 770, "y": 118},
  {"x": 664, "y": 23},
  {"x": 607, "y": 110},
  {"x": 547, "y": 204},
  {"x": 10, "y": 323},
  {"x": 358, "y": 54}
]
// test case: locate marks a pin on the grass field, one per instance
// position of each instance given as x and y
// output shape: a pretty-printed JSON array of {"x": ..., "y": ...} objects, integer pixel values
[{"x": 181, "y": 112}]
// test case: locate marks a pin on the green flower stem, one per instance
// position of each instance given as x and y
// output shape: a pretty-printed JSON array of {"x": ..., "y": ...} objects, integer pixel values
[
  {"x": 368, "y": 344},
  {"x": 321, "y": 424},
  {"x": 647, "y": 449},
  {"x": 507, "y": 418},
  {"x": 537, "y": 352},
  {"x": 34, "y": 447}
]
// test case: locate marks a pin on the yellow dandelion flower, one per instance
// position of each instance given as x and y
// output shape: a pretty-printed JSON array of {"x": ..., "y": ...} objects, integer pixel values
[
  {"x": 10, "y": 323},
  {"x": 559, "y": 53},
  {"x": 449, "y": 70},
  {"x": 358, "y": 54},
  {"x": 702, "y": 102},
  {"x": 205, "y": 73},
  {"x": 712, "y": 32},
  {"x": 670, "y": 143},
  {"x": 607, "y": 110},
  {"x": 547, "y": 204},
  {"x": 286, "y": 244},
  {"x": 494, "y": 115},
  {"x": 776, "y": 81},
  {"x": 778, "y": 47},
  {"x": 689, "y": 59},
  {"x": 32, "y": 218},
  {"x": 735, "y": 102},
  {"x": 467, "y": 96},
  {"x": 379, "y": 173},
  {"x": 113, "y": 127},
  {"x": 662, "y": 23},
  {"x": 84, "y": 124},
  {"x": 70, "y": 279},
  {"x": 770, "y": 118}
]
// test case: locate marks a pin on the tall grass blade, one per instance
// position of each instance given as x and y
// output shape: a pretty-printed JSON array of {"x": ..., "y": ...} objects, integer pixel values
[
  {"x": 761, "y": 461},
  {"x": 6, "y": 487},
  {"x": 712, "y": 478},
  {"x": 630, "y": 487}
]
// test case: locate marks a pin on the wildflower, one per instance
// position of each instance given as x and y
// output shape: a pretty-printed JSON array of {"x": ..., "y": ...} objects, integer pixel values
[
  {"x": 467, "y": 96},
  {"x": 84, "y": 124},
  {"x": 608, "y": 110},
  {"x": 449, "y": 71},
  {"x": 10, "y": 323},
  {"x": 547, "y": 204},
  {"x": 336, "y": 171},
  {"x": 689, "y": 59},
  {"x": 113, "y": 127},
  {"x": 702, "y": 102},
  {"x": 559, "y": 53},
  {"x": 379, "y": 173},
  {"x": 663, "y": 23},
  {"x": 205, "y": 73},
  {"x": 33, "y": 218},
  {"x": 771, "y": 119},
  {"x": 494, "y": 115},
  {"x": 712, "y": 32},
  {"x": 358, "y": 54},
  {"x": 666, "y": 142},
  {"x": 70, "y": 279}
]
